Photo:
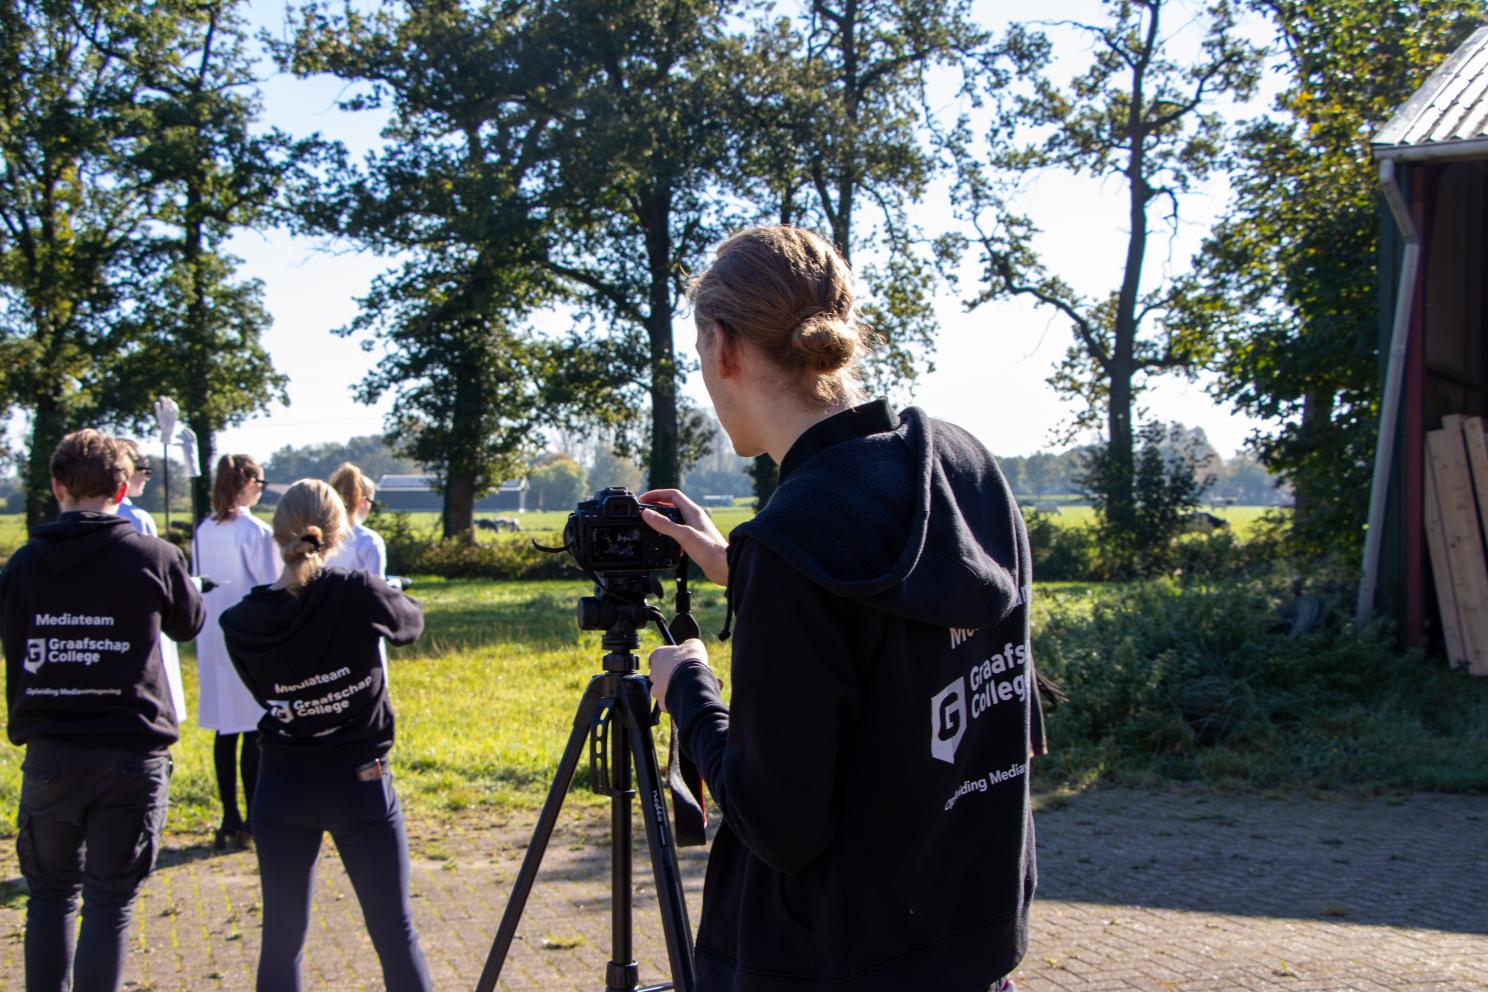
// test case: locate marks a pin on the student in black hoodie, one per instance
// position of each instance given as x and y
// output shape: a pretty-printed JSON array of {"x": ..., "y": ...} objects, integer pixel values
[
  {"x": 84, "y": 605},
  {"x": 872, "y": 766},
  {"x": 307, "y": 648}
]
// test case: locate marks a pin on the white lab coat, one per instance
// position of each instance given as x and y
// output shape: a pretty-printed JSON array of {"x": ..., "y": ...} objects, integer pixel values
[
  {"x": 237, "y": 554},
  {"x": 170, "y": 655},
  {"x": 363, "y": 551}
]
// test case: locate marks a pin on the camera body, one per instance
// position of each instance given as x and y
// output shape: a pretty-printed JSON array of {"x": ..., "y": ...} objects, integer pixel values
[{"x": 607, "y": 536}]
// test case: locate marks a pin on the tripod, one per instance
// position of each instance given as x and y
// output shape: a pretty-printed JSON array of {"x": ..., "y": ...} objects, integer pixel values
[{"x": 615, "y": 720}]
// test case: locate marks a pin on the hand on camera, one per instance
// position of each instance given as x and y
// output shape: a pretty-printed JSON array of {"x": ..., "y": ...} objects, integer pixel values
[
  {"x": 664, "y": 661},
  {"x": 697, "y": 534}
]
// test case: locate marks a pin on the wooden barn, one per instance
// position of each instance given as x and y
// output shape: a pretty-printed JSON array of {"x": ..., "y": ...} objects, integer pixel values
[{"x": 1424, "y": 558}]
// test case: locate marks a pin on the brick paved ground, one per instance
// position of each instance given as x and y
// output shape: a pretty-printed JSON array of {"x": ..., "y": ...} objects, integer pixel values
[{"x": 1152, "y": 891}]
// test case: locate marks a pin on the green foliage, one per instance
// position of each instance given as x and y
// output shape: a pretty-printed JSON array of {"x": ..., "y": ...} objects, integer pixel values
[
  {"x": 73, "y": 203},
  {"x": 370, "y": 453},
  {"x": 649, "y": 118},
  {"x": 1290, "y": 276},
  {"x": 454, "y": 192},
  {"x": 196, "y": 331},
  {"x": 1146, "y": 122},
  {"x": 508, "y": 559},
  {"x": 1202, "y": 683},
  {"x": 1137, "y": 539},
  {"x": 766, "y": 476},
  {"x": 556, "y": 482},
  {"x": 1061, "y": 553},
  {"x": 834, "y": 119}
]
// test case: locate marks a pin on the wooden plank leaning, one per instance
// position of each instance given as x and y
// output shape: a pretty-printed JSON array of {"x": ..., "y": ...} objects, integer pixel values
[
  {"x": 1459, "y": 514},
  {"x": 1476, "y": 441},
  {"x": 1441, "y": 572}
]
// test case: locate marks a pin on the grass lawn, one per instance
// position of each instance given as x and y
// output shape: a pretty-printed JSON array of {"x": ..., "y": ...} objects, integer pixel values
[{"x": 1242, "y": 519}]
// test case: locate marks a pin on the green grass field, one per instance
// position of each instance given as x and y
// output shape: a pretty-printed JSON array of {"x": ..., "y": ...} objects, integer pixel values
[
  {"x": 486, "y": 698},
  {"x": 1242, "y": 519}
]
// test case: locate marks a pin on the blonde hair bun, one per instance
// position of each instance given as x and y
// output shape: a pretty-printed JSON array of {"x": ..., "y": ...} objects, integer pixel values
[
  {"x": 825, "y": 342},
  {"x": 309, "y": 523},
  {"x": 788, "y": 293}
]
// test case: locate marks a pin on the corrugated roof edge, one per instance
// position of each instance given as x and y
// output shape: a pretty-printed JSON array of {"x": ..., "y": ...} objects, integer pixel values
[{"x": 1390, "y": 141}]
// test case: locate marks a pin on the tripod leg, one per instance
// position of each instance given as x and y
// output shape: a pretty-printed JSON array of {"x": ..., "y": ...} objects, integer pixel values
[
  {"x": 635, "y": 704},
  {"x": 546, "y": 820}
]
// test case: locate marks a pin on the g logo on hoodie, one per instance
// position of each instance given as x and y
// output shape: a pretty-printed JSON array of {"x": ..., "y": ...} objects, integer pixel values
[
  {"x": 279, "y": 709},
  {"x": 948, "y": 721},
  {"x": 35, "y": 654}
]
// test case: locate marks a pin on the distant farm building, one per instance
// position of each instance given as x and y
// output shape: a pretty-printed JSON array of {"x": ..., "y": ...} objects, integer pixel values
[{"x": 414, "y": 493}]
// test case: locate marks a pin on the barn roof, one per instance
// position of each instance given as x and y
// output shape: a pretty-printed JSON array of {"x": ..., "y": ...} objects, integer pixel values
[{"x": 1447, "y": 118}]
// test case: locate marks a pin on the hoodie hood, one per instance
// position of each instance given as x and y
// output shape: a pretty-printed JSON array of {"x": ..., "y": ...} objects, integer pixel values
[
  {"x": 262, "y": 626},
  {"x": 75, "y": 538},
  {"x": 915, "y": 520}
]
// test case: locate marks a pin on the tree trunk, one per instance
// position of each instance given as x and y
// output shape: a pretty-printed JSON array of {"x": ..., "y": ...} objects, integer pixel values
[
  {"x": 766, "y": 476},
  {"x": 1317, "y": 417},
  {"x": 1121, "y": 366},
  {"x": 462, "y": 471},
  {"x": 46, "y": 434},
  {"x": 1121, "y": 510},
  {"x": 201, "y": 486},
  {"x": 459, "y": 505},
  {"x": 663, "y": 470}
]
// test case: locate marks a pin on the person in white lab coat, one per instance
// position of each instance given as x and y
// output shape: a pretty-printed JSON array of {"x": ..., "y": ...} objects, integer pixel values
[
  {"x": 238, "y": 551},
  {"x": 142, "y": 521},
  {"x": 364, "y": 550}
]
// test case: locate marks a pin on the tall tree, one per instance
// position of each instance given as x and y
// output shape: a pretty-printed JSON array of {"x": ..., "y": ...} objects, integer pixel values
[
  {"x": 197, "y": 332},
  {"x": 1148, "y": 122},
  {"x": 1290, "y": 275},
  {"x": 834, "y": 116},
  {"x": 72, "y": 201},
  {"x": 458, "y": 191},
  {"x": 865, "y": 143},
  {"x": 637, "y": 196}
]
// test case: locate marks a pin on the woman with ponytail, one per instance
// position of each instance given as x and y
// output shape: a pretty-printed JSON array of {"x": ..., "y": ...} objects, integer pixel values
[
  {"x": 236, "y": 550},
  {"x": 307, "y": 647}
]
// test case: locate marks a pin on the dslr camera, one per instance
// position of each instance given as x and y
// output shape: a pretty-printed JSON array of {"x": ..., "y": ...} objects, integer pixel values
[{"x": 607, "y": 536}]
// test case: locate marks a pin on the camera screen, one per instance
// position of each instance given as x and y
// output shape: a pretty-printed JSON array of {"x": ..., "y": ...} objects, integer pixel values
[{"x": 620, "y": 545}]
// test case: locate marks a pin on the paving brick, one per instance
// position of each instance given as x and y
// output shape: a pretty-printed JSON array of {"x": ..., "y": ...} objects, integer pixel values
[{"x": 1159, "y": 891}]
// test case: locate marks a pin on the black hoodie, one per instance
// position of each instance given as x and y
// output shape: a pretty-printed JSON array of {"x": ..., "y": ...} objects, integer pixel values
[
  {"x": 83, "y": 606},
  {"x": 311, "y": 660},
  {"x": 872, "y": 767}
]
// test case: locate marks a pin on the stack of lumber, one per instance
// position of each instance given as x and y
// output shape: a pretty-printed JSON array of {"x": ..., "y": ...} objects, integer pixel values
[{"x": 1456, "y": 518}]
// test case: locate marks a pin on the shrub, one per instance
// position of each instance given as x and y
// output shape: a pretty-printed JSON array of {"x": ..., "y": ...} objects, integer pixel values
[
  {"x": 513, "y": 558},
  {"x": 1061, "y": 553},
  {"x": 1202, "y": 681}
]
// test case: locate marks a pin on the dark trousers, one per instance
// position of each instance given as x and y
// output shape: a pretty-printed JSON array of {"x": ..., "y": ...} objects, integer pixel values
[
  {"x": 90, "y": 822},
  {"x": 292, "y": 810}
]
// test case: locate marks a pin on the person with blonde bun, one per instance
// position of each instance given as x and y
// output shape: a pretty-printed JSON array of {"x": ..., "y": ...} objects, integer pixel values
[
  {"x": 307, "y": 647},
  {"x": 364, "y": 549},
  {"x": 236, "y": 550},
  {"x": 872, "y": 763}
]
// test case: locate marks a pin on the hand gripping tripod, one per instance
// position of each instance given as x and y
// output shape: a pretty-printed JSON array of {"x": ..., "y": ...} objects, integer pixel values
[{"x": 614, "y": 719}]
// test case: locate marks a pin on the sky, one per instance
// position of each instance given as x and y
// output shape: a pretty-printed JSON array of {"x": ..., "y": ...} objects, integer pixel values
[{"x": 991, "y": 363}]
